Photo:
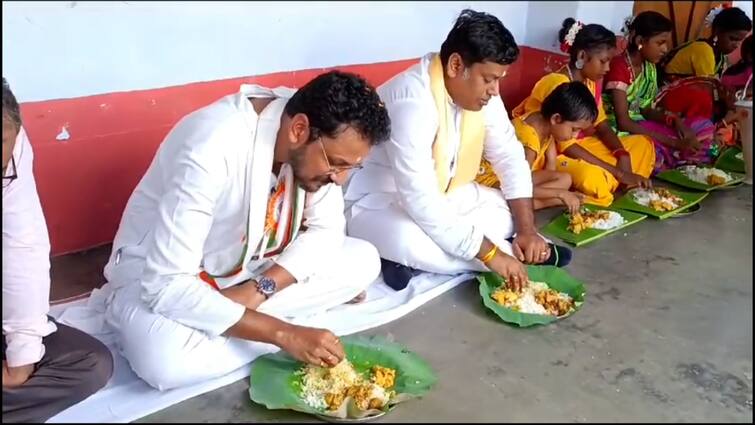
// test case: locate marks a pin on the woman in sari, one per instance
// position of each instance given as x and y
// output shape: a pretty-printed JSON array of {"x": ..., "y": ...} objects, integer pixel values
[
  {"x": 707, "y": 57},
  {"x": 630, "y": 90},
  {"x": 692, "y": 72},
  {"x": 600, "y": 164}
]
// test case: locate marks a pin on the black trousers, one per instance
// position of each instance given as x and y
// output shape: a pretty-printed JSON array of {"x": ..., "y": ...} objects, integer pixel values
[{"x": 75, "y": 366}]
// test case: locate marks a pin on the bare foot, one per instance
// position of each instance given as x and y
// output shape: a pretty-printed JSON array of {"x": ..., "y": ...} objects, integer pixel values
[{"x": 359, "y": 298}]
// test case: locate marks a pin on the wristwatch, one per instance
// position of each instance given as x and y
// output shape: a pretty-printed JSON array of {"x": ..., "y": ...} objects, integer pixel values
[{"x": 265, "y": 286}]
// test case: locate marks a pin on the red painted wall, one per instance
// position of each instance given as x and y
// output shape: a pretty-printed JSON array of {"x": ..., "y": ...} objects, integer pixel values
[{"x": 84, "y": 182}]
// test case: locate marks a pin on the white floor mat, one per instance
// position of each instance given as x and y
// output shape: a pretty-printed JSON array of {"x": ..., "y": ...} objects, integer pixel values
[{"x": 127, "y": 398}]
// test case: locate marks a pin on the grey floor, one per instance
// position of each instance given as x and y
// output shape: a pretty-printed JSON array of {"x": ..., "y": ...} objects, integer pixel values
[{"x": 665, "y": 334}]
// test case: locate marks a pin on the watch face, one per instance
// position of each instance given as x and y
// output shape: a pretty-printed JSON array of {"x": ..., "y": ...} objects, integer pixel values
[{"x": 266, "y": 286}]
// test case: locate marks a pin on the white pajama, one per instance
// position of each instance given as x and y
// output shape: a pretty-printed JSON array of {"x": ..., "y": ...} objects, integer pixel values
[
  {"x": 398, "y": 238},
  {"x": 167, "y": 354}
]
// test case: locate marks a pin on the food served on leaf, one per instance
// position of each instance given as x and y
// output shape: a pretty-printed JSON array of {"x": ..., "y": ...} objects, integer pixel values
[
  {"x": 659, "y": 199},
  {"x": 740, "y": 156},
  {"x": 706, "y": 175},
  {"x": 328, "y": 388},
  {"x": 535, "y": 298},
  {"x": 600, "y": 219}
]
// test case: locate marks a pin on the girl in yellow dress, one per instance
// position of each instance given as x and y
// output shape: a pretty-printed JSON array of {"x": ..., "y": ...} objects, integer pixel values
[
  {"x": 597, "y": 165},
  {"x": 569, "y": 109}
]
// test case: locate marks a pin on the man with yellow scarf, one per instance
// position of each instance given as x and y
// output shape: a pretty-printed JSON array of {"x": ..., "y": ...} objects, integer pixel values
[{"x": 416, "y": 199}]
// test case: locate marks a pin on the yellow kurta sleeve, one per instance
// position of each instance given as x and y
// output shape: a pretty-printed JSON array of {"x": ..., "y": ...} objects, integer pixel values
[
  {"x": 530, "y": 139},
  {"x": 696, "y": 59},
  {"x": 704, "y": 60}
]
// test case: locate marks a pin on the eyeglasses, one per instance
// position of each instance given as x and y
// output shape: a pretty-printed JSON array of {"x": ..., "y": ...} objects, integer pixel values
[
  {"x": 13, "y": 176},
  {"x": 339, "y": 168}
]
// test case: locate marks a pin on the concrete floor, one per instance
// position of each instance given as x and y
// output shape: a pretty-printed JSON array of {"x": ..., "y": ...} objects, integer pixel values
[{"x": 665, "y": 334}]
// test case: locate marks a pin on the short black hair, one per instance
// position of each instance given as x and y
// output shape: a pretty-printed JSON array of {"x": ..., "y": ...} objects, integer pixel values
[
  {"x": 336, "y": 100},
  {"x": 572, "y": 100},
  {"x": 591, "y": 37},
  {"x": 647, "y": 24},
  {"x": 732, "y": 19},
  {"x": 11, "y": 110},
  {"x": 479, "y": 37}
]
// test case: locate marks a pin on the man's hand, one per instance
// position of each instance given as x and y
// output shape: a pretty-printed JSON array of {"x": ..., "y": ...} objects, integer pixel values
[
  {"x": 16, "y": 376},
  {"x": 572, "y": 200},
  {"x": 245, "y": 293},
  {"x": 318, "y": 347},
  {"x": 511, "y": 269},
  {"x": 530, "y": 248}
]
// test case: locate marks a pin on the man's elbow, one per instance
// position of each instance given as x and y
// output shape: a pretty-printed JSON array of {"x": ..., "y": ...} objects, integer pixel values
[{"x": 156, "y": 296}]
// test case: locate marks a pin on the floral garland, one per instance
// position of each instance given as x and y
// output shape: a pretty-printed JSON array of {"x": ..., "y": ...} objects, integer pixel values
[
  {"x": 627, "y": 28},
  {"x": 571, "y": 35},
  {"x": 711, "y": 16}
]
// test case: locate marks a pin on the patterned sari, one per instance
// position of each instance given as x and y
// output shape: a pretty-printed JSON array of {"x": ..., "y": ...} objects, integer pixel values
[
  {"x": 701, "y": 97},
  {"x": 642, "y": 93}
]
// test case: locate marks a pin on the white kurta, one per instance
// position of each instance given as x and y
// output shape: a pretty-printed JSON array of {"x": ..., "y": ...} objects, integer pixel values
[
  {"x": 26, "y": 263},
  {"x": 399, "y": 181},
  {"x": 206, "y": 189}
]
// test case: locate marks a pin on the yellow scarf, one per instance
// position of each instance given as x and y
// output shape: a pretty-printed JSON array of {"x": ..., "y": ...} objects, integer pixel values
[{"x": 472, "y": 136}]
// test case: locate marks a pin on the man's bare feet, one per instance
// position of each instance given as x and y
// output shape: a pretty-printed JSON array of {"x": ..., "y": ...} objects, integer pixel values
[{"x": 359, "y": 298}]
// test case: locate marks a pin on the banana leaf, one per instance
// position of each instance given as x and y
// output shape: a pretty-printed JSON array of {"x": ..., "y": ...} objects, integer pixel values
[
  {"x": 559, "y": 227},
  {"x": 628, "y": 203},
  {"x": 275, "y": 383},
  {"x": 728, "y": 161},
  {"x": 555, "y": 277},
  {"x": 678, "y": 178}
]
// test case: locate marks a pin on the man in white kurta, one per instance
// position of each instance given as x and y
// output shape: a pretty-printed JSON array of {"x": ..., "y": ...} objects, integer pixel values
[
  {"x": 194, "y": 229},
  {"x": 394, "y": 201}
]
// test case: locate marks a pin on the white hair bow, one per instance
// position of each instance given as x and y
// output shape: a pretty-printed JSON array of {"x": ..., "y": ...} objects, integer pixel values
[
  {"x": 625, "y": 30},
  {"x": 571, "y": 35},
  {"x": 712, "y": 15}
]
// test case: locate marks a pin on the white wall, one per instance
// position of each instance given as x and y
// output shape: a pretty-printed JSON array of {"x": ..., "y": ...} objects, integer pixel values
[
  {"x": 746, "y": 6},
  {"x": 544, "y": 19},
  {"x": 55, "y": 50},
  {"x": 68, "y": 49},
  {"x": 610, "y": 14}
]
